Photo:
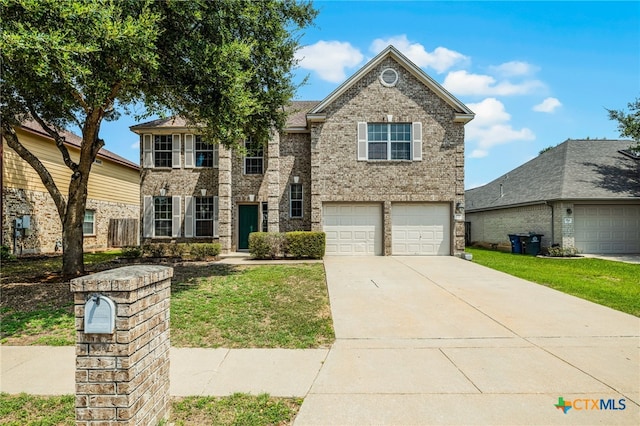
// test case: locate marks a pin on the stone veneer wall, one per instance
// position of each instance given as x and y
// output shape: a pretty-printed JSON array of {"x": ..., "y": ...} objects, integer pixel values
[
  {"x": 494, "y": 226},
  {"x": 46, "y": 227},
  {"x": 123, "y": 378},
  {"x": 338, "y": 176}
]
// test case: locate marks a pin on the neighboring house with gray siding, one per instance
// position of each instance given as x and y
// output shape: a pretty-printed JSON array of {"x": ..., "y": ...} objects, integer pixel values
[
  {"x": 378, "y": 165},
  {"x": 581, "y": 193}
]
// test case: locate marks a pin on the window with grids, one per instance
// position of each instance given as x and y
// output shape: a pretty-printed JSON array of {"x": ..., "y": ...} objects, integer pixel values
[
  {"x": 204, "y": 153},
  {"x": 295, "y": 197},
  {"x": 204, "y": 216},
  {"x": 162, "y": 150},
  {"x": 254, "y": 158},
  {"x": 162, "y": 216},
  {"x": 88, "y": 224},
  {"x": 389, "y": 141}
]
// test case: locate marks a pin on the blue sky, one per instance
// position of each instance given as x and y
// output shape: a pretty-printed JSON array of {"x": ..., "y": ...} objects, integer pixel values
[{"x": 535, "y": 73}]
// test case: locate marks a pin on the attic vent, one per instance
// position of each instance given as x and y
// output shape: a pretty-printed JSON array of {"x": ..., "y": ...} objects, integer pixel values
[
  {"x": 389, "y": 77},
  {"x": 98, "y": 162}
]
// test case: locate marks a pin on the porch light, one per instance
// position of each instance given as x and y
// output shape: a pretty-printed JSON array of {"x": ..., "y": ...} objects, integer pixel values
[
  {"x": 163, "y": 191},
  {"x": 459, "y": 207},
  {"x": 252, "y": 197},
  {"x": 203, "y": 191}
]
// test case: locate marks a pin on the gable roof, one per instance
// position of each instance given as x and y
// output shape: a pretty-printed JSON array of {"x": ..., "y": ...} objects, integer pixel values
[
  {"x": 573, "y": 170},
  {"x": 463, "y": 113},
  {"x": 75, "y": 141}
]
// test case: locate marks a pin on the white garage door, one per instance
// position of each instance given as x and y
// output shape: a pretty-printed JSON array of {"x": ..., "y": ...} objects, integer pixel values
[
  {"x": 353, "y": 229},
  {"x": 420, "y": 229},
  {"x": 607, "y": 228}
]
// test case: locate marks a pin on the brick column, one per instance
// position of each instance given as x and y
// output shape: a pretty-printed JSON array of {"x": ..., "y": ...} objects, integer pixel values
[
  {"x": 225, "y": 202},
  {"x": 273, "y": 182},
  {"x": 123, "y": 378}
]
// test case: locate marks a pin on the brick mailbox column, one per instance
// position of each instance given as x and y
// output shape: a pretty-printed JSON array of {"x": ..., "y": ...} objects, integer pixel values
[{"x": 123, "y": 378}]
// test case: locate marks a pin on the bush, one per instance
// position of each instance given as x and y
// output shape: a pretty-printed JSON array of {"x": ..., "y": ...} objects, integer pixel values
[
  {"x": 306, "y": 244},
  {"x": 154, "y": 250},
  {"x": 562, "y": 251},
  {"x": 267, "y": 245},
  {"x": 201, "y": 251},
  {"x": 271, "y": 245},
  {"x": 176, "y": 250},
  {"x": 5, "y": 254},
  {"x": 131, "y": 251}
]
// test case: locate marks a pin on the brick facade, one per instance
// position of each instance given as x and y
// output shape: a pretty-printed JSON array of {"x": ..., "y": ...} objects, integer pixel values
[
  {"x": 321, "y": 154},
  {"x": 46, "y": 227}
]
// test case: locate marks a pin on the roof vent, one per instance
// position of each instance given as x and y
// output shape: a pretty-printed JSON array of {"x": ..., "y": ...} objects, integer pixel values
[{"x": 389, "y": 77}]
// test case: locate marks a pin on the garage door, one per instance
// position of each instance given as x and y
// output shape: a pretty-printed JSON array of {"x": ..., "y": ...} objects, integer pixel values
[
  {"x": 607, "y": 228},
  {"x": 353, "y": 229},
  {"x": 420, "y": 229}
]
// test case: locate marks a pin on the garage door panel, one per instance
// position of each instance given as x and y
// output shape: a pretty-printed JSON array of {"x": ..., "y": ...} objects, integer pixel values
[
  {"x": 420, "y": 229},
  {"x": 353, "y": 229},
  {"x": 607, "y": 229}
]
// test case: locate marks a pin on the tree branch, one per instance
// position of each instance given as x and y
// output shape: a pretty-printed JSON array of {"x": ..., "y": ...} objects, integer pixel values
[
  {"x": 9, "y": 134},
  {"x": 59, "y": 141}
]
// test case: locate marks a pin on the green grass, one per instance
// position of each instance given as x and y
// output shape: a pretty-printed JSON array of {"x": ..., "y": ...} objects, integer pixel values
[
  {"x": 45, "y": 326},
  {"x": 273, "y": 306},
  {"x": 237, "y": 409},
  {"x": 609, "y": 283}
]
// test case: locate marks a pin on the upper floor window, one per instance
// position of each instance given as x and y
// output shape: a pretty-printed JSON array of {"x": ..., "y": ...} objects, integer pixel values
[
  {"x": 88, "y": 224},
  {"x": 204, "y": 153},
  {"x": 253, "y": 161},
  {"x": 295, "y": 199},
  {"x": 389, "y": 141},
  {"x": 162, "y": 149},
  {"x": 162, "y": 207}
]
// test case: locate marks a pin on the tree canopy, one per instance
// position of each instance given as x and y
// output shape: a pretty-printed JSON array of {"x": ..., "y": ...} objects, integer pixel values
[
  {"x": 224, "y": 65},
  {"x": 628, "y": 123}
]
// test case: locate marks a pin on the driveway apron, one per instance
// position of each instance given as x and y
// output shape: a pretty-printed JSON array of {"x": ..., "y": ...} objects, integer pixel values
[{"x": 440, "y": 340}]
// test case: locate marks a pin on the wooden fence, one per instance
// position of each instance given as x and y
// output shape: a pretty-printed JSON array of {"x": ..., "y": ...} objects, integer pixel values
[{"x": 123, "y": 232}]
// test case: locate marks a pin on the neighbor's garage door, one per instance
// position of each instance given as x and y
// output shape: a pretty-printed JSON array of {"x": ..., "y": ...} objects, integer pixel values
[
  {"x": 420, "y": 229},
  {"x": 353, "y": 229},
  {"x": 607, "y": 228}
]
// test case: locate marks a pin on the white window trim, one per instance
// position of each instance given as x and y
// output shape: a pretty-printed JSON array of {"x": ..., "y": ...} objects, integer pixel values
[
  {"x": 291, "y": 200},
  {"x": 244, "y": 160},
  {"x": 93, "y": 224},
  {"x": 190, "y": 218},
  {"x": 363, "y": 142}
]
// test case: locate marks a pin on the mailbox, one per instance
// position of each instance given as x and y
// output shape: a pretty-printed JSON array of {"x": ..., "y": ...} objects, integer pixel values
[{"x": 99, "y": 315}]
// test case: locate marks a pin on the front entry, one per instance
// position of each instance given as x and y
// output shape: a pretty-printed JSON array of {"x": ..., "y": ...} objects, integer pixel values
[{"x": 248, "y": 223}]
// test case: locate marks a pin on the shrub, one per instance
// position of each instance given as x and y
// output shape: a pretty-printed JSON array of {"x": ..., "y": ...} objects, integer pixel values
[
  {"x": 201, "y": 251},
  {"x": 5, "y": 254},
  {"x": 154, "y": 250},
  {"x": 176, "y": 250},
  {"x": 562, "y": 251},
  {"x": 131, "y": 251},
  {"x": 267, "y": 245},
  {"x": 306, "y": 244}
]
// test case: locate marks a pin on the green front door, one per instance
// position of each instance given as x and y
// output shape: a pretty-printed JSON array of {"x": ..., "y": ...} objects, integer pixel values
[{"x": 248, "y": 221}]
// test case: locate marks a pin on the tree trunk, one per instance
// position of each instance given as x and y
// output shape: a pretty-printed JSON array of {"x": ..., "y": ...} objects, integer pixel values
[{"x": 72, "y": 239}]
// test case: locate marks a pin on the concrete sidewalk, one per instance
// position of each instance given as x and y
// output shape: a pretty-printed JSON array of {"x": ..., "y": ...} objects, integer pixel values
[{"x": 419, "y": 340}]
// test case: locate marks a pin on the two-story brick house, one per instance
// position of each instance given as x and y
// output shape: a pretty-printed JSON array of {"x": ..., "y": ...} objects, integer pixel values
[{"x": 378, "y": 165}]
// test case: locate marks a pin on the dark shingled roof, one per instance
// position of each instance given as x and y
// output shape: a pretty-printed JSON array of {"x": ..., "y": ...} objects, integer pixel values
[
  {"x": 76, "y": 141},
  {"x": 297, "y": 118},
  {"x": 573, "y": 170}
]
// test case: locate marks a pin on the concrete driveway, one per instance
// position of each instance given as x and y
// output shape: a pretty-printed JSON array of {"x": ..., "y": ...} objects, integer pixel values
[{"x": 440, "y": 340}]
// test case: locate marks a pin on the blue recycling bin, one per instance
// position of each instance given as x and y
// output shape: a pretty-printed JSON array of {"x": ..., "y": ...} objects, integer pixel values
[{"x": 516, "y": 243}]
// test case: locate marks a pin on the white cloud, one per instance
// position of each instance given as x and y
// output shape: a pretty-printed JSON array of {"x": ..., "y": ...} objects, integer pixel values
[
  {"x": 491, "y": 127},
  {"x": 441, "y": 59},
  {"x": 329, "y": 59},
  {"x": 464, "y": 83},
  {"x": 135, "y": 145},
  {"x": 548, "y": 105},
  {"x": 514, "y": 68}
]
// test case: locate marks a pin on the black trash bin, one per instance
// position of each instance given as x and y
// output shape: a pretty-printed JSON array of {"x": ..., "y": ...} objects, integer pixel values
[{"x": 534, "y": 244}]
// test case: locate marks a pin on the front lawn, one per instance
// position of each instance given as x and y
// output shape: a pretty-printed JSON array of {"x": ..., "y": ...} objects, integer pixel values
[
  {"x": 609, "y": 283},
  {"x": 237, "y": 409},
  {"x": 215, "y": 305}
]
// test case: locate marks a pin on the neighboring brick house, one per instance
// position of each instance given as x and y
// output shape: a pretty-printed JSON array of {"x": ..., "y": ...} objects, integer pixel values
[
  {"x": 378, "y": 165},
  {"x": 581, "y": 193},
  {"x": 113, "y": 193}
]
